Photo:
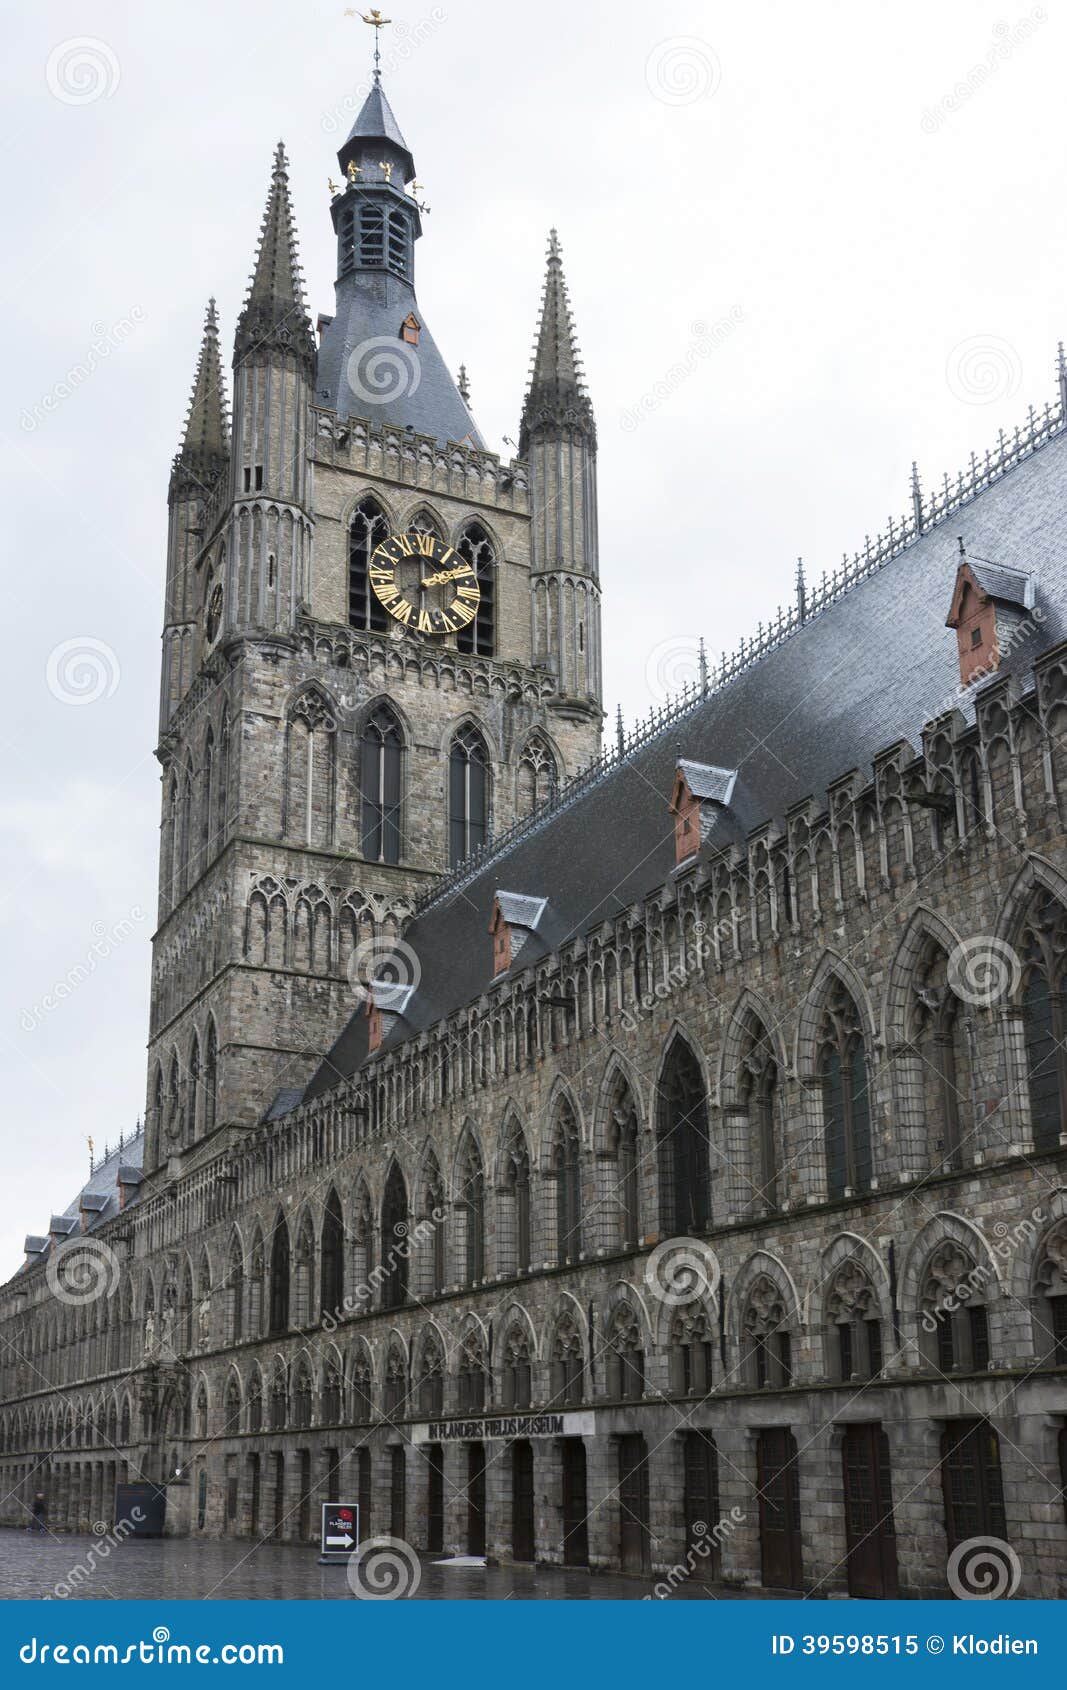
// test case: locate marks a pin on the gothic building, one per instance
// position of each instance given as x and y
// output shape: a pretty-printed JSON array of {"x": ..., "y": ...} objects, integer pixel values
[{"x": 652, "y": 1160}]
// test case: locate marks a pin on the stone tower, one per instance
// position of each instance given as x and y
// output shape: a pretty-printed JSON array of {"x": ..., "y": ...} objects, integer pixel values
[
  {"x": 322, "y": 764},
  {"x": 558, "y": 440}
]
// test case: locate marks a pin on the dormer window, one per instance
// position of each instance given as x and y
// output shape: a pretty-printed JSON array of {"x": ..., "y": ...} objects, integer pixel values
[
  {"x": 410, "y": 329},
  {"x": 514, "y": 921},
  {"x": 991, "y": 605},
  {"x": 700, "y": 794}
]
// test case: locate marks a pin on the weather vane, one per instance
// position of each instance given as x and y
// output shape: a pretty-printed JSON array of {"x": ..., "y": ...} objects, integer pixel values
[{"x": 377, "y": 23}]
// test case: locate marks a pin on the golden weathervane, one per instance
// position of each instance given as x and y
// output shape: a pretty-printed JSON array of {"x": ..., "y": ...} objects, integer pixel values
[{"x": 377, "y": 23}]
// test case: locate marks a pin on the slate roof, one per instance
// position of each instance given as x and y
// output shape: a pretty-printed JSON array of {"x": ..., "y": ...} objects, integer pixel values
[
  {"x": 865, "y": 672},
  {"x": 365, "y": 369},
  {"x": 706, "y": 782},
  {"x": 1010, "y": 586},
  {"x": 98, "y": 1197},
  {"x": 520, "y": 911}
]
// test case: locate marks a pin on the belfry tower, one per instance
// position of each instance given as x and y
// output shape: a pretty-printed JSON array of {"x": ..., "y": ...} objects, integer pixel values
[{"x": 323, "y": 763}]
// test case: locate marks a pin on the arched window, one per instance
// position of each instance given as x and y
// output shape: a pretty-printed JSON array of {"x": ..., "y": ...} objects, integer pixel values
[
  {"x": 279, "y": 1400},
  {"x": 567, "y": 1173},
  {"x": 759, "y": 1088},
  {"x": 471, "y": 1375},
  {"x": 192, "y": 1090},
  {"x": 516, "y": 1382},
  {"x": 332, "y": 1275},
  {"x": 395, "y": 1240},
  {"x": 1050, "y": 1301},
  {"x": 396, "y": 1390},
  {"x": 302, "y": 1397},
  {"x": 855, "y": 1325},
  {"x": 472, "y": 1210},
  {"x": 380, "y": 778},
  {"x": 478, "y": 636},
  {"x": 845, "y": 1097},
  {"x": 232, "y": 1407},
  {"x": 211, "y": 1077},
  {"x": 765, "y": 1338},
  {"x": 279, "y": 1278},
  {"x": 368, "y": 529},
  {"x": 690, "y": 1352},
  {"x": 362, "y": 1390},
  {"x": 938, "y": 1034},
  {"x": 431, "y": 1377},
  {"x": 1044, "y": 952},
  {"x": 568, "y": 1364},
  {"x": 954, "y": 1324},
  {"x": 537, "y": 777},
  {"x": 682, "y": 1132},
  {"x": 624, "y": 1373},
  {"x": 622, "y": 1170},
  {"x": 514, "y": 1220},
  {"x": 468, "y": 795},
  {"x": 235, "y": 1288},
  {"x": 332, "y": 1404}
]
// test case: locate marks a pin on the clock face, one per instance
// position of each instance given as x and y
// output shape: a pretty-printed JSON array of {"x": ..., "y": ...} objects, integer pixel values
[
  {"x": 214, "y": 611},
  {"x": 424, "y": 583}
]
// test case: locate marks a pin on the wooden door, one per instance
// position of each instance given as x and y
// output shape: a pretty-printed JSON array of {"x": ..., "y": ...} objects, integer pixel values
[
  {"x": 575, "y": 1504},
  {"x": 398, "y": 1498},
  {"x": 634, "y": 1549},
  {"x": 435, "y": 1499},
  {"x": 779, "y": 1509},
  {"x": 971, "y": 1481},
  {"x": 701, "y": 1498},
  {"x": 475, "y": 1499},
  {"x": 869, "y": 1530},
  {"x": 522, "y": 1501}
]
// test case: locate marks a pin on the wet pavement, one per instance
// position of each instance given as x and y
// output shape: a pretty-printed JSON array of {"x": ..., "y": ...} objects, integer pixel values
[{"x": 99, "y": 1569}]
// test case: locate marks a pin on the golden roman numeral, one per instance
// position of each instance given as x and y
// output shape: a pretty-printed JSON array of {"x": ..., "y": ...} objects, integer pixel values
[
  {"x": 403, "y": 611},
  {"x": 471, "y": 593},
  {"x": 425, "y": 624},
  {"x": 404, "y": 544},
  {"x": 425, "y": 544}
]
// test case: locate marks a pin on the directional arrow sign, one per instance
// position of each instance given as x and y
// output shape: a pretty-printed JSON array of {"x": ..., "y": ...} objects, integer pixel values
[{"x": 339, "y": 1534}]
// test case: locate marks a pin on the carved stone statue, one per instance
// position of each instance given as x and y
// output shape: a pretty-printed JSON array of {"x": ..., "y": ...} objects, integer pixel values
[
  {"x": 204, "y": 1322},
  {"x": 149, "y": 1333}
]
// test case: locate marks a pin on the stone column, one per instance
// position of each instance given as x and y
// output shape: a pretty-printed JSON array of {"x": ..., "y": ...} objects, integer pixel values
[
  {"x": 602, "y": 1490},
  {"x": 455, "y": 1537},
  {"x": 548, "y": 1500},
  {"x": 498, "y": 1500}
]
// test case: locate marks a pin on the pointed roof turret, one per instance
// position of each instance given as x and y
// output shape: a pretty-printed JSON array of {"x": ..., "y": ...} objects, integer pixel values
[
  {"x": 376, "y": 124},
  {"x": 205, "y": 448},
  {"x": 275, "y": 314},
  {"x": 556, "y": 397}
]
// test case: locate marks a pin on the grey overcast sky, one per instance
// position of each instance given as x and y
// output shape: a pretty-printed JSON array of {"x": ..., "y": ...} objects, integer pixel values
[{"x": 806, "y": 243}]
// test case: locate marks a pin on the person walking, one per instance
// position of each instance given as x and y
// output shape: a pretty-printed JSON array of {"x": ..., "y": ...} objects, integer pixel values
[{"x": 39, "y": 1513}]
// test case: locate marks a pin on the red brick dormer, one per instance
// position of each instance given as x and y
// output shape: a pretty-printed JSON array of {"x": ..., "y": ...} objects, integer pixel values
[
  {"x": 701, "y": 793},
  {"x": 989, "y": 602},
  {"x": 514, "y": 920}
]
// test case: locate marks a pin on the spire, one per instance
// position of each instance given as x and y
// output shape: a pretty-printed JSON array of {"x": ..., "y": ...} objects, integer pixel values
[
  {"x": 205, "y": 446},
  {"x": 274, "y": 313},
  {"x": 556, "y": 396},
  {"x": 374, "y": 131}
]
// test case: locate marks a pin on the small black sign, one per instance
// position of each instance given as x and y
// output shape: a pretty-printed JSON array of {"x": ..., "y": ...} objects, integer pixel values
[{"x": 340, "y": 1529}]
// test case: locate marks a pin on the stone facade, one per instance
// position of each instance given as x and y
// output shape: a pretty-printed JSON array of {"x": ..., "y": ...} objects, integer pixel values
[{"x": 725, "y": 1237}]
